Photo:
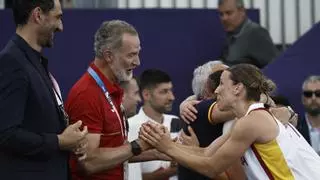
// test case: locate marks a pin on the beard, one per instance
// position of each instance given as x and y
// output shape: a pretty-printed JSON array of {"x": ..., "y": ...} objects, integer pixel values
[
  {"x": 162, "y": 109},
  {"x": 46, "y": 37},
  {"x": 123, "y": 76},
  {"x": 120, "y": 73},
  {"x": 313, "y": 111}
]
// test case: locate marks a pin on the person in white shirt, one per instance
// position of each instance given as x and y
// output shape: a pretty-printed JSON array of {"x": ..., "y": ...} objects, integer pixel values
[{"x": 156, "y": 89}]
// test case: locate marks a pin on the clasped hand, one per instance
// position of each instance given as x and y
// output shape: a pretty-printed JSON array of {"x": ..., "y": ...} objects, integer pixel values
[
  {"x": 156, "y": 135},
  {"x": 74, "y": 139}
]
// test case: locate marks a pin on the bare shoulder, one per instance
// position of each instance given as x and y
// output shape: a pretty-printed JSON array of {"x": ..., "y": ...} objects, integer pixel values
[
  {"x": 244, "y": 132},
  {"x": 251, "y": 124},
  {"x": 260, "y": 124}
]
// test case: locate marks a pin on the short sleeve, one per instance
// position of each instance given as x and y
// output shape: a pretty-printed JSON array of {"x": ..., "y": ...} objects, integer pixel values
[{"x": 87, "y": 107}]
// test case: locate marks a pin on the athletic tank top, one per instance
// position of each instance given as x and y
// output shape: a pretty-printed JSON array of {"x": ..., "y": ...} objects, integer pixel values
[{"x": 286, "y": 157}]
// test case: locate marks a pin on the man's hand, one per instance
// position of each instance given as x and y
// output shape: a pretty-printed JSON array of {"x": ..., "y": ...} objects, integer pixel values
[
  {"x": 144, "y": 145},
  {"x": 156, "y": 135},
  {"x": 81, "y": 150},
  {"x": 188, "y": 111},
  {"x": 191, "y": 140},
  {"x": 72, "y": 137}
]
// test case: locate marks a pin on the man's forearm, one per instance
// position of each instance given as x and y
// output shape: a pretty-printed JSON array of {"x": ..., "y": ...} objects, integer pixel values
[
  {"x": 150, "y": 155},
  {"x": 102, "y": 159},
  {"x": 197, "y": 158},
  {"x": 160, "y": 174}
]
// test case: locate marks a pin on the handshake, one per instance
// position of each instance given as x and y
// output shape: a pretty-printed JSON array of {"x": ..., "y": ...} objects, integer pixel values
[
  {"x": 153, "y": 135},
  {"x": 74, "y": 139}
]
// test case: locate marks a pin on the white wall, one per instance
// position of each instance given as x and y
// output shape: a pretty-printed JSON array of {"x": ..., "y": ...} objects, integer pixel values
[
  {"x": 1, "y": 4},
  {"x": 290, "y": 15}
]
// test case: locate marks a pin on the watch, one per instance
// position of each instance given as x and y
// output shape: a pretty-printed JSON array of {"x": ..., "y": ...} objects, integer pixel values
[{"x": 135, "y": 148}]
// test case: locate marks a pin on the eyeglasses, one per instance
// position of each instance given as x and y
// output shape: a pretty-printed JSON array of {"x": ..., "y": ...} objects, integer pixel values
[{"x": 308, "y": 94}]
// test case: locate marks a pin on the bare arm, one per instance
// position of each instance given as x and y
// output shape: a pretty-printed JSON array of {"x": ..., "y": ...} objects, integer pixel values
[
  {"x": 160, "y": 174},
  {"x": 225, "y": 156},
  {"x": 242, "y": 136},
  {"x": 218, "y": 116},
  {"x": 99, "y": 159},
  {"x": 150, "y": 155},
  {"x": 191, "y": 149},
  {"x": 236, "y": 171}
]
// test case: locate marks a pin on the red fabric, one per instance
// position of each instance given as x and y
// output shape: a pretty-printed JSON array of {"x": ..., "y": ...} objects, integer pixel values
[{"x": 87, "y": 102}]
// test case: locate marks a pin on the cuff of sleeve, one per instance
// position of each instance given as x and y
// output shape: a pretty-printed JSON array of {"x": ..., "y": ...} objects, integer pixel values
[{"x": 52, "y": 142}]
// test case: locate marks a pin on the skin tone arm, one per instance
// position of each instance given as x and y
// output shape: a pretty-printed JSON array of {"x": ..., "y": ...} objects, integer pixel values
[
  {"x": 242, "y": 136},
  {"x": 99, "y": 159},
  {"x": 160, "y": 174},
  {"x": 218, "y": 116},
  {"x": 150, "y": 155},
  {"x": 235, "y": 172},
  {"x": 189, "y": 113}
]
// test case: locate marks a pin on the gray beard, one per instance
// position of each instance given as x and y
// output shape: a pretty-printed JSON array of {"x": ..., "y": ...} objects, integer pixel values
[{"x": 313, "y": 112}]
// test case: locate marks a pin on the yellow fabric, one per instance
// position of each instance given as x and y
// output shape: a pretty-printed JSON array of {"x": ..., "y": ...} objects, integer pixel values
[
  {"x": 209, "y": 112},
  {"x": 274, "y": 160}
]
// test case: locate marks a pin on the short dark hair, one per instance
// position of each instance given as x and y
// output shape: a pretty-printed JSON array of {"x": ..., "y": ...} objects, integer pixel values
[
  {"x": 22, "y": 9},
  {"x": 152, "y": 77}
]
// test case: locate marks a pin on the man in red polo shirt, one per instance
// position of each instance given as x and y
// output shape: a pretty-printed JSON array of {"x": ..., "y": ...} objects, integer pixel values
[{"x": 96, "y": 100}]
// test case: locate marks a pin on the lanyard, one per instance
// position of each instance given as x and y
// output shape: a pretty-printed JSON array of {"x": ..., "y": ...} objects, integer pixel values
[
  {"x": 95, "y": 76},
  {"x": 57, "y": 93}
]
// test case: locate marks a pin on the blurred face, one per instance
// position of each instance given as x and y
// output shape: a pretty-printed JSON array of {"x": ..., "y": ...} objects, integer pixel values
[
  {"x": 131, "y": 98},
  {"x": 230, "y": 15},
  {"x": 161, "y": 97},
  {"x": 224, "y": 91},
  {"x": 52, "y": 22},
  {"x": 311, "y": 98},
  {"x": 127, "y": 58}
]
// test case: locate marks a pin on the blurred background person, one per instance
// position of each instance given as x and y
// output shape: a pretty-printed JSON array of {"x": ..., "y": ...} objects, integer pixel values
[
  {"x": 157, "y": 94},
  {"x": 131, "y": 96},
  {"x": 309, "y": 122},
  {"x": 247, "y": 41}
]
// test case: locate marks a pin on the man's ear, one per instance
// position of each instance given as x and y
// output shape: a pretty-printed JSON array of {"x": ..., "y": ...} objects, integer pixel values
[
  {"x": 108, "y": 55},
  {"x": 37, "y": 15},
  {"x": 146, "y": 94}
]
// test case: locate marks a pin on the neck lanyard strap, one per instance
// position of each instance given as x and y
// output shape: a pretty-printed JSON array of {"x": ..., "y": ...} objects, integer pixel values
[{"x": 95, "y": 76}]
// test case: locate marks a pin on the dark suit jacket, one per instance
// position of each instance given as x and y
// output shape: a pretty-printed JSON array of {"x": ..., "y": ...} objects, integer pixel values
[
  {"x": 303, "y": 128},
  {"x": 30, "y": 117}
]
